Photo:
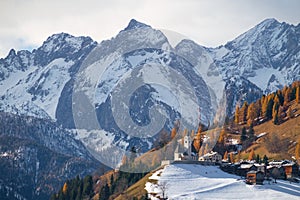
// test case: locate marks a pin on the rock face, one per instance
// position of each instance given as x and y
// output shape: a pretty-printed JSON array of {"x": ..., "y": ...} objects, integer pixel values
[
  {"x": 261, "y": 60},
  {"x": 43, "y": 84},
  {"x": 36, "y": 157}
]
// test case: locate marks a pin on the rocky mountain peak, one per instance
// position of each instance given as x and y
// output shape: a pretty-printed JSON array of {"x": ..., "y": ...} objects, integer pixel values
[
  {"x": 11, "y": 54},
  {"x": 134, "y": 24}
]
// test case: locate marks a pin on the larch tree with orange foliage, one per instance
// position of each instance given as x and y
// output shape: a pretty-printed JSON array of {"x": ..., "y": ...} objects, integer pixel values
[
  {"x": 225, "y": 157},
  {"x": 231, "y": 158},
  {"x": 251, "y": 155},
  {"x": 173, "y": 133},
  {"x": 237, "y": 114},
  {"x": 222, "y": 136},
  {"x": 65, "y": 188},
  {"x": 197, "y": 140},
  {"x": 251, "y": 114},
  {"x": 297, "y": 151},
  {"x": 239, "y": 157}
]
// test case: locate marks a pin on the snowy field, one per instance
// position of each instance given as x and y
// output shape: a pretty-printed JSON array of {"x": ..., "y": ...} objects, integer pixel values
[{"x": 189, "y": 181}]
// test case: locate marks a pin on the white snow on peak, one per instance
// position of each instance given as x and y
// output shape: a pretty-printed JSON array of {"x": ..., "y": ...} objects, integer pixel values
[
  {"x": 262, "y": 77},
  {"x": 75, "y": 42},
  {"x": 49, "y": 82}
]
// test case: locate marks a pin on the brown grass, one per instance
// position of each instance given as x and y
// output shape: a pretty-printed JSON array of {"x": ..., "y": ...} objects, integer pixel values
[{"x": 289, "y": 130}]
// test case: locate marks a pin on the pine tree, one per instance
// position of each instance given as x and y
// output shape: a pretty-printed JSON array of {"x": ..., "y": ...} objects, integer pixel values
[
  {"x": 133, "y": 152},
  {"x": 280, "y": 97},
  {"x": 251, "y": 131},
  {"x": 257, "y": 159},
  {"x": 104, "y": 193},
  {"x": 79, "y": 190},
  {"x": 243, "y": 135},
  {"x": 251, "y": 155},
  {"x": 270, "y": 103},
  {"x": 87, "y": 186},
  {"x": 266, "y": 160}
]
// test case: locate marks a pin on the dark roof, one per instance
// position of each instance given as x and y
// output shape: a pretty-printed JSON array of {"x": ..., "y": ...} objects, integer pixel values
[{"x": 254, "y": 172}]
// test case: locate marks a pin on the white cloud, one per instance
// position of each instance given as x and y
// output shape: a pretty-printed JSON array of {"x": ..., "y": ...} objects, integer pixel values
[{"x": 26, "y": 24}]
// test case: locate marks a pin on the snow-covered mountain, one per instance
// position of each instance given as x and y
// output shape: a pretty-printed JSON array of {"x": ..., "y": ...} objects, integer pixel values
[
  {"x": 267, "y": 55},
  {"x": 79, "y": 83},
  {"x": 37, "y": 157}
]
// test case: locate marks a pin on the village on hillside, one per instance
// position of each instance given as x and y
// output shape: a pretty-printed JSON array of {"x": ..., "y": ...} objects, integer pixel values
[{"x": 254, "y": 171}]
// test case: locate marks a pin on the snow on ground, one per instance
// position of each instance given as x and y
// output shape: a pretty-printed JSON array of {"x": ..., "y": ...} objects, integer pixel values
[
  {"x": 263, "y": 76},
  {"x": 261, "y": 135},
  {"x": 101, "y": 139},
  {"x": 191, "y": 181}
]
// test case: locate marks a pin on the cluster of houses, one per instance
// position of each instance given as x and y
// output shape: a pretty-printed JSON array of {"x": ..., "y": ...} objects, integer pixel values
[{"x": 255, "y": 173}]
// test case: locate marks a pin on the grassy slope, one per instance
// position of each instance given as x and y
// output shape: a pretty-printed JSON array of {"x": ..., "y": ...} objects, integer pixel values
[
  {"x": 290, "y": 130},
  {"x": 137, "y": 189}
]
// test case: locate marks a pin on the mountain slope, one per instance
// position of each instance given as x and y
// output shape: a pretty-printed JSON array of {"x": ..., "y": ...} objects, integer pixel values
[
  {"x": 267, "y": 55},
  {"x": 37, "y": 156},
  {"x": 33, "y": 82},
  {"x": 190, "y": 82}
]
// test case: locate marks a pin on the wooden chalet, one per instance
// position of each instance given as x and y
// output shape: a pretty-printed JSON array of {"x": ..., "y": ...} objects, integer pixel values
[{"x": 255, "y": 177}]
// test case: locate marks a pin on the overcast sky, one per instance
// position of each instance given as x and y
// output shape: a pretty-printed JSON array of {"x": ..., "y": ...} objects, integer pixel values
[{"x": 25, "y": 24}]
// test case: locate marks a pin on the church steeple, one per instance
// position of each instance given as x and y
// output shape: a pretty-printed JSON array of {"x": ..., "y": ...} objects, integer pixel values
[{"x": 187, "y": 144}]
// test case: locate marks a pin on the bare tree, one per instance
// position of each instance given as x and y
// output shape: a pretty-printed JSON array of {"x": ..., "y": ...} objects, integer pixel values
[
  {"x": 163, "y": 186},
  {"x": 275, "y": 174}
]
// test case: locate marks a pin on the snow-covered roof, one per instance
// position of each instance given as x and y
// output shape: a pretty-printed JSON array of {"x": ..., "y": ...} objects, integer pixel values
[
  {"x": 259, "y": 165},
  {"x": 282, "y": 162},
  {"x": 246, "y": 166},
  {"x": 211, "y": 153}
]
